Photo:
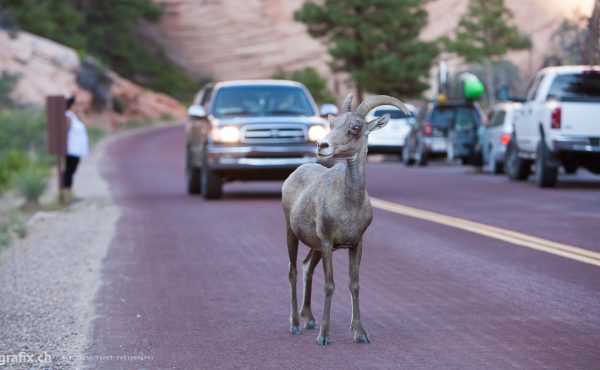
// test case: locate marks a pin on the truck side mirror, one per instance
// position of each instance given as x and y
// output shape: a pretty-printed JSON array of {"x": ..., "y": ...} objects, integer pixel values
[
  {"x": 327, "y": 109},
  {"x": 196, "y": 112}
]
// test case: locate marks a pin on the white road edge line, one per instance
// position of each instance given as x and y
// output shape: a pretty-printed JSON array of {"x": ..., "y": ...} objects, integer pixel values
[{"x": 513, "y": 237}]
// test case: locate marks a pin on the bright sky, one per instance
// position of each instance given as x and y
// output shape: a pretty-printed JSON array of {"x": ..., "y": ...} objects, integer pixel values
[{"x": 568, "y": 6}]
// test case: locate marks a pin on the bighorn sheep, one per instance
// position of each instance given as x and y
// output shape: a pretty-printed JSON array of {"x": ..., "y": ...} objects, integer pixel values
[{"x": 329, "y": 209}]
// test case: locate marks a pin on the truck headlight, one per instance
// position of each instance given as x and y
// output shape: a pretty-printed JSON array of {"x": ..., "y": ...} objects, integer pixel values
[
  {"x": 316, "y": 133},
  {"x": 227, "y": 134}
]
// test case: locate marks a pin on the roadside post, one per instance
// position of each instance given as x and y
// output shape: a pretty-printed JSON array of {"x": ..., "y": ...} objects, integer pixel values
[{"x": 57, "y": 135}]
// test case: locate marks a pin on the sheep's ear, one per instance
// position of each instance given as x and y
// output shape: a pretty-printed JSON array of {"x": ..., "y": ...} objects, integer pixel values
[{"x": 377, "y": 123}]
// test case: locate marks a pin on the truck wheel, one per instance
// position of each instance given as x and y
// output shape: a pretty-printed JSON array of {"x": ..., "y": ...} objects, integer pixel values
[
  {"x": 546, "y": 173},
  {"x": 496, "y": 167},
  {"x": 421, "y": 156},
  {"x": 212, "y": 186},
  {"x": 192, "y": 174},
  {"x": 406, "y": 158},
  {"x": 516, "y": 168},
  {"x": 570, "y": 168}
]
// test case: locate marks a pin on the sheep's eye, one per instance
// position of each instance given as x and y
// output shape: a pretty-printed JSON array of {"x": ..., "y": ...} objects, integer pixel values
[{"x": 355, "y": 129}]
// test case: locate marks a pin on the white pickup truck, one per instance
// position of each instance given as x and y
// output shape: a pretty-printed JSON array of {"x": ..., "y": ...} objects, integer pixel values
[{"x": 558, "y": 125}]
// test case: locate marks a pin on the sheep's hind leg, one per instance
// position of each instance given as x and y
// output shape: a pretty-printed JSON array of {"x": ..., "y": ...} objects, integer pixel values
[
  {"x": 326, "y": 254},
  {"x": 309, "y": 264},
  {"x": 354, "y": 256},
  {"x": 292, "y": 243}
]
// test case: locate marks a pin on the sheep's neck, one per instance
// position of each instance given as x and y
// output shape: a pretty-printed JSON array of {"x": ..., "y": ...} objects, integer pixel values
[{"x": 355, "y": 176}]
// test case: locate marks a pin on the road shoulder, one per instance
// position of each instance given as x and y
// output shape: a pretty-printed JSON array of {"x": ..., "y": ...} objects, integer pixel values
[{"x": 50, "y": 278}]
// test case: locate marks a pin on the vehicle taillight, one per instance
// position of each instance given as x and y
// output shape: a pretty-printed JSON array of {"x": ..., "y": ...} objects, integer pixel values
[
  {"x": 427, "y": 129},
  {"x": 505, "y": 139},
  {"x": 555, "y": 118}
]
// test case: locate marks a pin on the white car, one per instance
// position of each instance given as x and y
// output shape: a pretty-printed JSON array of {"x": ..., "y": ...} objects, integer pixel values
[
  {"x": 391, "y": 138},
  {"x": 498, "y": 134}
]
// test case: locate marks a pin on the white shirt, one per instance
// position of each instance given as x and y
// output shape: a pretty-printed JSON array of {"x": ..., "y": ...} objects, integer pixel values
[{"x": 77, "y": 139}]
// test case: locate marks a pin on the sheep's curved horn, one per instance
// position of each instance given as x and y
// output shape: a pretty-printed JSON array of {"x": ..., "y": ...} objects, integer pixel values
[
  {"x": 347, "y": 104},
  {"x": 378, "y": 100}
]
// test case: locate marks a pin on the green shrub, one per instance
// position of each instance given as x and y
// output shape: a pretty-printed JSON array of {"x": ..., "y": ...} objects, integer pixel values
[
  {"x": 5, "y": 236},
  {"x": 31, "y": 183},
  {"x": 16, "y": 223},
  {"x": 22, "y": 130},
  {"x": 313, "y": 80},
  {"x": 8, "y": 82},
  {"x": 12, "y": 162}
]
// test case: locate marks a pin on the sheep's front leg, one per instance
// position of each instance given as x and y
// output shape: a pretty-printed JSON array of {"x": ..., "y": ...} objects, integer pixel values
[
  {"x": 309, "y": 264},
  {"x": 292, "y": 243},
  {"x": 326, "y": 254},
  {"x": 354, "y": 256}
]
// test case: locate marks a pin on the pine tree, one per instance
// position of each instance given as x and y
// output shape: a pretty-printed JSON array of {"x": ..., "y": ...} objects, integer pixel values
[
  {"x": 375, "y": 41},
  {"x": 484, "y": 34}
]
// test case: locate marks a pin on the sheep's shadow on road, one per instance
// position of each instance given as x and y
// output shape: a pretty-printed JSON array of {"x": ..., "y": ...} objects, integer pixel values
[
  {"x": 276, "y": 195},
  {"x": 577, "y": 185}
]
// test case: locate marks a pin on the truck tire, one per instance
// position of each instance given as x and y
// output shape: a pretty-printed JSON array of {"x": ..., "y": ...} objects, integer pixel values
[
  {"x": 212, "y": 186},
  {"x": 421, "y": 156},
  {"x": 546, "y": 172},
  {"x": 570, "y": 167},
  {"x": 496, "y": 167},
  {"x": 517, "y": 169},
  {"x": 406, "y": 158},
  {"x": 192, "y": 174}
]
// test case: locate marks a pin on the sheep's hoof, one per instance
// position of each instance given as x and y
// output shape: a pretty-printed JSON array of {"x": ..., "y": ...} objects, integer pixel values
[
  {"x": 323, "y": 341},
  {"x": 362, "y": 339},
  {"x": 310, "y": 324},
  {"x": 295, "y": 330}
]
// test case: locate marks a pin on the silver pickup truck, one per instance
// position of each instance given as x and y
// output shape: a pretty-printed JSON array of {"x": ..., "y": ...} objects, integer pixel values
[{"x": 250, "y": 130}]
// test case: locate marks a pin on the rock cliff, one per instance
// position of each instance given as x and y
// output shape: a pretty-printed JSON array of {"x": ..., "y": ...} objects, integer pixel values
[
  {"x": 48, "y": 68},
  {"x": 229, "y": 39}
]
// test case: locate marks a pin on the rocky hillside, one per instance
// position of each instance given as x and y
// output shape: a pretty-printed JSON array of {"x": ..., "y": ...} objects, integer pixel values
[
  {"x": 230, "y": 39},
  {"x": 48, "y": 68}
]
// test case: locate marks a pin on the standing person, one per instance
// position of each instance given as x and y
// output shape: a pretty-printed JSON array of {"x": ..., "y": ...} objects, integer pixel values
[
  {"x": 476, "y": 159},
  {"x": 77, "y": 146}
]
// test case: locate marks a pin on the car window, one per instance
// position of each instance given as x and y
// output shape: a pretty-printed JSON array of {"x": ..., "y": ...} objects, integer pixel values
[
  {"x": 464, "y": 120},
  {"x": 394, "y": 113},
  {"x": 576, "y": 87},
  {"x": 262, "y": 100},
  {"x": 498, "y": 119},
  {"x": 441, "y": 117},
  {"x": 535, "y": 84}
]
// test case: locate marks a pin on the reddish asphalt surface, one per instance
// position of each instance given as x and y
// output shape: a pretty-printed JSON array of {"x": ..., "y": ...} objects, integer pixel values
[{"x": 203, "y": 284}]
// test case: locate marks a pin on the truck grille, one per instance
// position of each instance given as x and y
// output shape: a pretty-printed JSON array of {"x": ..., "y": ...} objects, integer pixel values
[{"x": 273, "y": 134}]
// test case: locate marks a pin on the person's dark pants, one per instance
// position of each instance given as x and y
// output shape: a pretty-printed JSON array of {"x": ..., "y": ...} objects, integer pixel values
[
  {"x": 476, "y": 158},
  {"x": 71, "y": 163}
]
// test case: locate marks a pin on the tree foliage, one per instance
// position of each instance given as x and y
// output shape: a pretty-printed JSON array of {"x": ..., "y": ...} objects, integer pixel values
[
  {"x": 108, "y": 31},
  {"x": 375, "y": 41},
  {"x": 310, "y": 77},
  {"x": 484, "y": 32}
]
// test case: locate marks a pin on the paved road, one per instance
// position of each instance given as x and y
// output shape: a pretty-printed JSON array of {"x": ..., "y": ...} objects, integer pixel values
[{"x": 203, "y": 285}]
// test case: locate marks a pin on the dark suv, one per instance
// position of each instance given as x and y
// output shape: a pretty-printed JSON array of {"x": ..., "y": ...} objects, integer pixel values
[
  {"x": 249, "y": 130},
  {"x": 446, "y": 129}
]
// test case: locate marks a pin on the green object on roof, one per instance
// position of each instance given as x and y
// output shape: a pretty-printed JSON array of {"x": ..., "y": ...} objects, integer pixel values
[{"x": 473, "y": 88}]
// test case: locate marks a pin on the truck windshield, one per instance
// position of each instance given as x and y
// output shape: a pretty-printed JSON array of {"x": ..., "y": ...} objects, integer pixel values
[
  {"x": 262, "y": 100},
  {"x": 462, "y": 118},
  {"x": 576, "y": 87}
]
